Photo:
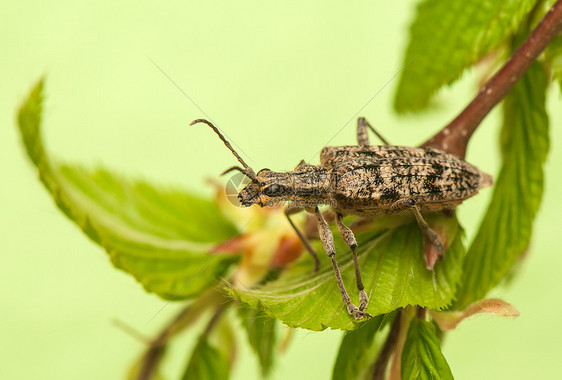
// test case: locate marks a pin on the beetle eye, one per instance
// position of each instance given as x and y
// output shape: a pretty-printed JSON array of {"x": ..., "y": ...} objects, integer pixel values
[
  {"x": 263, "y": 170},
  {"x": 274, "y": 190}
]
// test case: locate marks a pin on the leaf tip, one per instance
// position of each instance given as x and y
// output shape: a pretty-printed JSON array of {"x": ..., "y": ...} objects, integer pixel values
[{"x": 29, "y": 120}]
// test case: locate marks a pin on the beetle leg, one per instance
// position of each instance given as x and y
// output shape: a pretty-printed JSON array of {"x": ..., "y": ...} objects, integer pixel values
[
  {"x": 293, "y": 210},
  {"x": 351, "y": 242},
  {"x": 328, "y": 242},
  {"x": 362, "y": 133},
  {"x": 428, "y": 232}
]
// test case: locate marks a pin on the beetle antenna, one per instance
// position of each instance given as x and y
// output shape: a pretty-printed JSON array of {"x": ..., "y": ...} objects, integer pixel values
[
  {"x": 232, "y": 169},
  {"x": 247, "y": 169}
]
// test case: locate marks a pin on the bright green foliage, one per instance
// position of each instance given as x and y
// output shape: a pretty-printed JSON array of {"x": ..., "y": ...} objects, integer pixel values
[
  {"x": 207, "y": 363},
  {"x": 163, "y": 236},
  {"x": 421, "y": 355},
  {"x": 356, "y": 354},
  {"x": 506, "y": 228},
  {"x": 143, "y": 229},
  {"x": 262, "y": 335},
  {"x": 394, "y": 275},
  {"x": 449, "y": 36}
]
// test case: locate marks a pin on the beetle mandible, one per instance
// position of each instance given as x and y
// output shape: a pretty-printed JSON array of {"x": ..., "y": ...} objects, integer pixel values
[{"x": 367, "y": 181}]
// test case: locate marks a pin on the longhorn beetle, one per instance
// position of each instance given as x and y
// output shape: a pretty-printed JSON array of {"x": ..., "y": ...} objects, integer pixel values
[{"x": 367, "y": 181}]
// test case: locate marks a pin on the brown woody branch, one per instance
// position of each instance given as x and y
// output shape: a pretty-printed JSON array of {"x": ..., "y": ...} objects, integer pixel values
[
  {"x": 454, "y": 137},
  {"x": 384, "y": 356}
]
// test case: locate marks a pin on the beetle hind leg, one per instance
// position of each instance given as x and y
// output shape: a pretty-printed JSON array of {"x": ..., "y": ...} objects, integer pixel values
[
  {"x": 410, "y": 204},
  {"x": 328, "y": 242},
  {"x": 430, "y": 234},
  {"x": 351, "y": 242}
]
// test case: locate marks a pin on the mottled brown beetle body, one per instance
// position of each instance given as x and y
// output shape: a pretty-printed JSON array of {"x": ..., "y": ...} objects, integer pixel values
[{"x": 367, "y": 181}]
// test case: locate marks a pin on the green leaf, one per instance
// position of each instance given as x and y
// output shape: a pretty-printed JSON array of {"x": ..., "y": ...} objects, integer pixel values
[
  {"x": 207, "y": 363},
  {"x": 394, "y": 275},
  {"x": 162, "y": 237},
  {"x": 449, "y": 36},
  {"x": 507, "y": 226},
  {"x": 262, "y": 335},
  {"x": 358, "y": 350},
  {"x": 29, "y": 119},
  {"x": 553, "y": 58},
  {"x": 421, "y": 355}
]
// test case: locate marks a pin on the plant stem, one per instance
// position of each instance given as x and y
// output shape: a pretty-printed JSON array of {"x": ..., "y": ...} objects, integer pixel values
[
  {"x": 214, "y": 319},
  {"x": 186, "y": 317},
  {"x": 156, "y": 348},
  {"x": 454, "y": 137},
  {"x": 387, "y": 350},
  {"x": 421, "y": 313}
]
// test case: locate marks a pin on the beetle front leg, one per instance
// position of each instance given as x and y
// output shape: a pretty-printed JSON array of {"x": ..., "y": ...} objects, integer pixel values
[
  {"x": 328, "y": 242},
  {"x": 428, "y": 232},
  {"x": 351, "y": 242}
]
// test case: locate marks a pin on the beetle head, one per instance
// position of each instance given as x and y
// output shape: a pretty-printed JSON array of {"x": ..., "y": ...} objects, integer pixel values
[{"x": 270, "y": 189}]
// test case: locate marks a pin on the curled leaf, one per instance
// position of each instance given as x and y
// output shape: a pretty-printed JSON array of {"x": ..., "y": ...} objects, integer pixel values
[{"x": 449, "y": 320}]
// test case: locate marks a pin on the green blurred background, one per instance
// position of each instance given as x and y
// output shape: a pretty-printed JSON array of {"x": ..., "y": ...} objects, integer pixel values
[{"x": 281, "y": 79}]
